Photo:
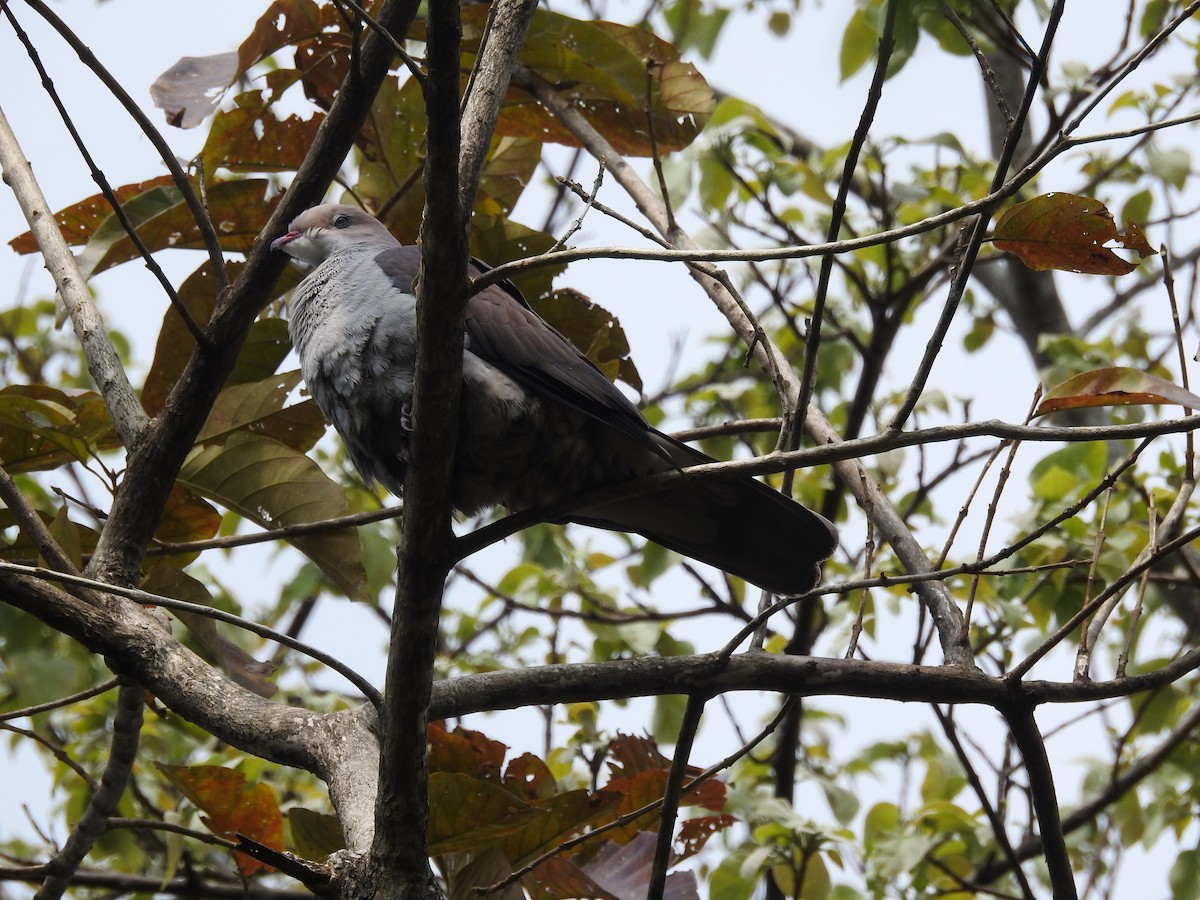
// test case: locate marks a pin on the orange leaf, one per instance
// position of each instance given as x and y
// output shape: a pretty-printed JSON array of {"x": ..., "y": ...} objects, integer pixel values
[
  {"x": 1068, "y": 233},
  {"x": 232, "y": 807},
  {"x": 1115, "y": 386}
]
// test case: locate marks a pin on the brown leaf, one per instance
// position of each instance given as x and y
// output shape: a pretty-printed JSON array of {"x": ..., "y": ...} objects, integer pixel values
[
  {"x": 232, "y": 807},
  {"x": 464, "y": 751},
  {"x": 186, "y": 517},
  {"x": 249, "y": 138},
  {"x": 1068, "y": 233},
  {"x": 1115, "y": 386},
  {"x": 80, "y": 221},
  {"x": 694, "y": 833}
]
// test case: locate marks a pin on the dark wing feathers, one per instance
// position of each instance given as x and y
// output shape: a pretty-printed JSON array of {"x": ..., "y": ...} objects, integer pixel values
[{"x": 505, "y": 332}]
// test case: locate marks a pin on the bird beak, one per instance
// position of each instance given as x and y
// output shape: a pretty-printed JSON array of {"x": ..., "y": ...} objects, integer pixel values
[{"x": 280, "y": 242}]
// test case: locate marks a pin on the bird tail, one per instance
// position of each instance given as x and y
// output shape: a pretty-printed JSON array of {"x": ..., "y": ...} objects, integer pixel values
[{"x": 739, "y": 525}]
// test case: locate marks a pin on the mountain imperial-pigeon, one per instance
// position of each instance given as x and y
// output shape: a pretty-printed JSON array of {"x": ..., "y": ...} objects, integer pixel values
[{"x": 539, "y": 423}]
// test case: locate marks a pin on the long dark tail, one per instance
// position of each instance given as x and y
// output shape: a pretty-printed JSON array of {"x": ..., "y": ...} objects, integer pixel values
[{"x": 739, "y": 525}]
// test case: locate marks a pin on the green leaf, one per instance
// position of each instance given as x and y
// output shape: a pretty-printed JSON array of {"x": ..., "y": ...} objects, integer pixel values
[
  {"x": 314, "y": 835},
  {"x": 625, "y": 81},
  {"x": 259, "y": 408},
  {"x": 272, "y": 484},
  {"x": 466, "y": 813},
  {"x": 859, "y": 42},
  {"x": 1185, "y": 875},
  {"x": 43, "y": 428}
]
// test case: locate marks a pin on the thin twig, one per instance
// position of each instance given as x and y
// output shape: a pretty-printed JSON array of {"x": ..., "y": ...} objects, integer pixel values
[
  {"x": 49, "y": 705},
  {"x": 102, "y": 182},
  {"x": 208, "y": 233}
]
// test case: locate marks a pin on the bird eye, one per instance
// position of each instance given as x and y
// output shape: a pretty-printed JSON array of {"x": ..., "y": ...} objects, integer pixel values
[{"x": 342, "y": 221}]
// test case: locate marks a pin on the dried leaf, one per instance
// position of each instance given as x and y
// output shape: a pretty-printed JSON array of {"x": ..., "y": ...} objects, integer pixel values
[
  {"x": 1068, "y": 233},
  {"x": 1115, "y": 386},
  {"x": 191, "y": 89}
]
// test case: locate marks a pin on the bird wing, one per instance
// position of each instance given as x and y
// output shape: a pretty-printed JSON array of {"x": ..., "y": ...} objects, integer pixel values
[{"x": 503, "y": 331}]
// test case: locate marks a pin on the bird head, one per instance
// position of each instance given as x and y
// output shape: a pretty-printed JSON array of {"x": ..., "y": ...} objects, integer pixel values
[{"x": 318, "y": 233}]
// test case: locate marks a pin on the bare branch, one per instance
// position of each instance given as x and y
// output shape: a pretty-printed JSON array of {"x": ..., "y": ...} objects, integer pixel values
[{"x": 104, "y": 364}]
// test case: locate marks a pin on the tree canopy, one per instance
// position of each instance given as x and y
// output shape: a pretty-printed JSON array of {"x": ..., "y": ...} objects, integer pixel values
[{"x": 990, "y": 693}]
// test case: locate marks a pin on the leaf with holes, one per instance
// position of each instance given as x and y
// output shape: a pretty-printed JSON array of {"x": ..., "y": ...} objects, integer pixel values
[{"x": 1069, "y": 233}]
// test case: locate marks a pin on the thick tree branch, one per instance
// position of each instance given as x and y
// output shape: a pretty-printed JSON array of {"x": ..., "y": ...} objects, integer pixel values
[
  {"x": 1045, "y": 799},
  {"x": 508, "y": 20},
  {"x": 398, "y": 854}
]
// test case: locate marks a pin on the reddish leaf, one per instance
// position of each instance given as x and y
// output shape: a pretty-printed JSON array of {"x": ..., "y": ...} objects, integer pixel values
[
  {"x": 465, "y": 813},
  {"x": 694, "y": 833},
  {"x": 232, "y": 807},
  {"x": 80, "y": 221},
  {"x": 530, "y": 778},
  {"x": 186, "y": 517},
  {"x": 1116, "y": 386},
  {"x": 466, "y": 752},
  {"x": 249, "y": 138},
  {"x": 1069, "y": 233}
]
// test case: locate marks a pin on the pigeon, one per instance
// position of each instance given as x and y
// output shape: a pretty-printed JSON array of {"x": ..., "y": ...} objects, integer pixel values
[{"x": 539, "y": 424}]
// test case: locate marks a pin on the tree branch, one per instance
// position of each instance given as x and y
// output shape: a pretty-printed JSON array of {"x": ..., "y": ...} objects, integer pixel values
[
  {"x": 398, "y": 854},
  {"x": 126, "y": 727},
  {"x": 1045, "y": 800},
  {"x": 103, "y": 363}
]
